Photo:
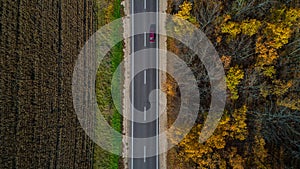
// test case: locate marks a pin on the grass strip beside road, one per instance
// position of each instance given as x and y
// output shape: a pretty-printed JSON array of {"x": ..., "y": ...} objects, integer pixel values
[{"x": 108, "y": 11}]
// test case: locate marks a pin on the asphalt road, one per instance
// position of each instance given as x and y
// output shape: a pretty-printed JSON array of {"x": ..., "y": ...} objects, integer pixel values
[{"x": 144, "y": 83}]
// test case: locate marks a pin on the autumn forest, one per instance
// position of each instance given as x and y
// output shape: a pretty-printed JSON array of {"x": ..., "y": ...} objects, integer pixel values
[{"x": 258, "y": 43}]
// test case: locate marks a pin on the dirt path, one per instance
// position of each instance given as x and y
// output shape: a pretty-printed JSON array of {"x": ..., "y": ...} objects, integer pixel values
[
  {"x": 126, "y": 101},
  {"x": 163, "y": 66}
]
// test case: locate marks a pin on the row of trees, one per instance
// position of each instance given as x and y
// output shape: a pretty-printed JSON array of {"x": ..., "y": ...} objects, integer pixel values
[{"x": 258, "y": 43}]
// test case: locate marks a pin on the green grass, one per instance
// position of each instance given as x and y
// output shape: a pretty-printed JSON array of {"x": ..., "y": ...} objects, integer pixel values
[
  {"x": 102, "y": 158},
  {"x": 117, "y": 55}
]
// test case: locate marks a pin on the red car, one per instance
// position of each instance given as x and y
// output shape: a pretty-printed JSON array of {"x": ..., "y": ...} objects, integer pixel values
[{"x": 152, "y": 33}]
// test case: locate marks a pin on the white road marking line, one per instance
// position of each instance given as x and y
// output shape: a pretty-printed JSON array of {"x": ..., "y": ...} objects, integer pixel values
[
  {"x": 145, "y": 4},
  {"x": 145, "y": 77},
  {"x": 145, "y": 113},
  {"x": 144, "y": 154},
  {"x": 157, "y": 85},
  {"x": 132, "y": 75},
  {"x": 145, "y": 39}
]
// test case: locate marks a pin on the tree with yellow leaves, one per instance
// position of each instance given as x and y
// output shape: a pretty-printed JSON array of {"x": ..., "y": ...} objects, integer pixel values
[
  {"x": 185, "y": 12},
  {"x": 233, "y": 78},
  {"x": 217, "y": 151},
  {"x": 247, "y": 27}
]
